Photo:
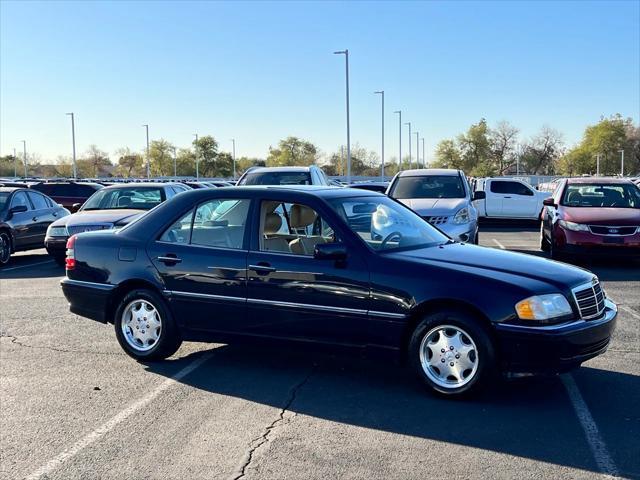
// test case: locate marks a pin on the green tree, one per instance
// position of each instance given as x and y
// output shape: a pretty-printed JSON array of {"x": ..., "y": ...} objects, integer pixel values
[
  {"x": 206, "y": 150},
  {"x": 448, "y": 155},
  {"x": 186, "y": 163},
  {"x": 130, "y": 164},
  {"x": 476, "y": 148},
  {"x": 161, "y": 158},
  {"x": 292, "y": 151}
]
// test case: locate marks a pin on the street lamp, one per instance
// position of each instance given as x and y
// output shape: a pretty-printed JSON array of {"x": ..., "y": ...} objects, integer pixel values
[
  {"x": 399, "y": 112},
  {"x": 73, "y": 141},
  {"x": 197, "y": 157},
  {"x": 598, "y": 165},
  {"x": 233, "y": 140},
  {"x": 410, "y": 165},
  {"x": 15, "y": 164},
  {"x": 622, "y": 163},
  {"x": 148, "y": 166},
  {"x": 424, "y": 159},
  {"x": 417, "y": 150},
  {"x": 381, "y": 92},
  {"x": 24, "y": 147},
  {"x": 346, "y": 58}
]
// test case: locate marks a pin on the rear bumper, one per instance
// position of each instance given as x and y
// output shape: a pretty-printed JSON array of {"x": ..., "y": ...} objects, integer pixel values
[
  {"x": 87, "y": 299},
  {"x": 56, "y": 246},
  {"x": 555, "y": 349}
]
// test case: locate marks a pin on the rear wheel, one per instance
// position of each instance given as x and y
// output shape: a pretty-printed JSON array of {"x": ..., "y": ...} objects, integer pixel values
[
  {"x": 5, "y": 248},
  {"x": 451, "y": 353},
  {"x": 144, "y": 326},
  {"x": 544, "y": 243}
]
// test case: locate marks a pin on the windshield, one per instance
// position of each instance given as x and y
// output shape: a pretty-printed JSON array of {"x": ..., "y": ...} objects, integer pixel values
[
  {"x": 276, "y": 178},
  {"x": 136, "y": 198},
  {"x": 385, "y": 225},
  {"x": 601, "y": 195},
  {"x": 428, "y": 186},
  {"x": 4, "y": 196}
]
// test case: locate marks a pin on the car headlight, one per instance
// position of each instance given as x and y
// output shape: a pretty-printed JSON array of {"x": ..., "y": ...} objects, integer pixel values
[
  {"x": 462, "y": 216},
  {"x": 576, "y": 227},
  {"x": 57, "y": 231},
  {"x": 543, "y": 307}
]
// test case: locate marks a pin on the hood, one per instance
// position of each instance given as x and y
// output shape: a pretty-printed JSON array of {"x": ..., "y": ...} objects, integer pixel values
[
  {"x": 612, "y": 216},
  {"x": 558, "y": 274},
  {"x": 89, "y": 217},
  {"x": 435, "y": 206}
]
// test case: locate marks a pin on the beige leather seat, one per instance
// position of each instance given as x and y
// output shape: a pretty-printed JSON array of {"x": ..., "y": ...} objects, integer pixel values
[
  {"x": 302, "y": 217},
  {"x": 272, "y": 224}
]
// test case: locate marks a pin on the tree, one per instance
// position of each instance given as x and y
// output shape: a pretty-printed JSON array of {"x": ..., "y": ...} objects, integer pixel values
[
  {"x": 448, "y": 155},
  {"x": 292, "y": 151},
  {"x": 186, "y": 163},
  {"x": 94, "y": 163},
  {"x": 130, "y": 164},
  {"x": 206, "y": 149},
  {"x": 244, "y": 163},
  {"x": 161, "y": 158},
  {"x": 503, "y": 140},
  {"x": 224, "y": 165},
  {"x": 540, "y": 154},
  {"x": 475, "y": 146}
]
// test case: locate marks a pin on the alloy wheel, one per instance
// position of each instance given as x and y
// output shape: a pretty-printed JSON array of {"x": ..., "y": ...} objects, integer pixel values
[{"x": 5, "y": 248}]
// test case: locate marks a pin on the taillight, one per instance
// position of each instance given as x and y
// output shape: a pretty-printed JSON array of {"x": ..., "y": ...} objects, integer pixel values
[{"x": 70, "y": 261}]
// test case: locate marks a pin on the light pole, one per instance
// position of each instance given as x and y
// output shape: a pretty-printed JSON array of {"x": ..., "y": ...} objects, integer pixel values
[
  {"x": 15, "y": 164},
  {"x": 417, "y": 150},
  {"x": 148, "y": 165},
  {"x": 197, "y": 157},
  {"x": 175, "y": 163},
  {"x": 233, "y": 140},
  {"x": 424, "y": 159},
  {"x": 24, "y": 150},
  {"x": 410, "y": 165},
  {"x": 598, "y": 165},
  {"x": 399, "y": 112},
  {"x": 381, "y": 92},
  {"x": 346, "y": 58},
  {"x": 622, "y": 163},
  {"x": 342, "y": 169},
  {"x": 73, "y": 141}
]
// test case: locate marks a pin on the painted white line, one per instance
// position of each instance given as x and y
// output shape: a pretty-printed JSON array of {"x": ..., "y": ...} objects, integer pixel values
[
  {"x": 25, "y": 266},
  {"x": 499, "y": 244},
  {"x": 630, "y": 311},
  {"x": 597, "y": 445},
  {"x": 105, "y": 428}
]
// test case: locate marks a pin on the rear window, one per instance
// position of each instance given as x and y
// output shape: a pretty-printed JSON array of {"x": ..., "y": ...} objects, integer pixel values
[
  {"x": 67, "y": 189},
  {"x": 276, "y": 178}
]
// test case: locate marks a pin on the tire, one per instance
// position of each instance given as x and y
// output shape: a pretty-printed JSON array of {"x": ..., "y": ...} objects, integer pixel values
[
  {"x": 5, "y": 247},
  {"x": 544, "y": 243},
  {"x": 145, "y": 327},
  {"x": 554, "y": 254},
  {"x": 60, "y": 260},
  {"x": 476, "y": 239},
  {"x": 465, "y": 343}
]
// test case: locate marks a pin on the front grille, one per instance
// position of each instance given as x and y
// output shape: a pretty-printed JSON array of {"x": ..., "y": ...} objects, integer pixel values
[
  {"x": 605, "y": 230},
  {"x": 88, "y": 228},
  {"x": 436, "y": 220},
  {"x": 590, "y": 299}
]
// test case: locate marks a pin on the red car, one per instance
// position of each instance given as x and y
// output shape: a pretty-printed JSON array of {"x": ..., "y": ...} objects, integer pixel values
[{"x": 588, "y": 216}]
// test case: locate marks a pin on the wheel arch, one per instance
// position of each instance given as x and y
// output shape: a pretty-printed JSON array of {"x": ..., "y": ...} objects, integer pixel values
[
  {"x": 438, "y": 305},
  {"x": 125, "y": 287},
  {"x": 9, "y": 230}
]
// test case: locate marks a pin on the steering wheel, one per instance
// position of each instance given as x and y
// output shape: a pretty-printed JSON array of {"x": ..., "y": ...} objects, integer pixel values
[{"x": 388, "y": 238}]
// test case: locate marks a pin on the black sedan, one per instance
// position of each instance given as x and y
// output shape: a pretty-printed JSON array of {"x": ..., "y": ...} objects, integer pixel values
[
  {"x": 24, "y": 218},
  {"x": 301, "y": 264},
  {"x": 110, "y": 207}
]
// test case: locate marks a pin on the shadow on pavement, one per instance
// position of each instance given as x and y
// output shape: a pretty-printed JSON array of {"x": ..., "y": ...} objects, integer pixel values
[
  {"x": 531, "y": 418},
  {"x": 31, "y": 266}
]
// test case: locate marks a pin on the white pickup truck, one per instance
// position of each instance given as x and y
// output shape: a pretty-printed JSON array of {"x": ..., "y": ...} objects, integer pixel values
[{"x": 508, "y": 198}]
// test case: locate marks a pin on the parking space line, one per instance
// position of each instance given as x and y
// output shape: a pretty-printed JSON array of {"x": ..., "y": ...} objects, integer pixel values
[
  {"x": 499, "y": 244},
  {"x": 25, "y": 266},
  {"x": 105, "y": 428},
  {"x": 596, "y": 444}
]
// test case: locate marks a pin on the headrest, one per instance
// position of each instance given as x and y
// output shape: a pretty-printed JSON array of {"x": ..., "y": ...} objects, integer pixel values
[
  {"x": 124, "y": 201},
  {"x": 301, "y": 216},
  {"x": 272, "y": 223}
]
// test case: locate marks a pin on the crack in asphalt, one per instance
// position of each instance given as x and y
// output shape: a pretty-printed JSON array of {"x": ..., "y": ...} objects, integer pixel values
[
  {"x": 15, "y": 341},
  {"x": 259, "y": 441}
]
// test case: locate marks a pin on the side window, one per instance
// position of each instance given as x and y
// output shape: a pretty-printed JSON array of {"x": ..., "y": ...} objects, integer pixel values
[
  {"x": 499, "y": 187},
  {"x": 521, "y": 189},
  {"x": 292, "y": 228},
  {"x": 20, "y": 198},
  {"x": 220, "y": 223},
  {"x": 39, "y": 202},
  {"x": 179, "y": 231}
]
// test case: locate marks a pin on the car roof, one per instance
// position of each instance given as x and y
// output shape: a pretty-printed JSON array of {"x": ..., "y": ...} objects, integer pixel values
[
  {"x": 591, "y": 180},
  {"x": 141, "y": 185},
  {"x": 425, "y": 172},
  {"x": 280, "y": 169},
  {"x": 12, "y": 189},
  {"x": 321, "y": 191}
]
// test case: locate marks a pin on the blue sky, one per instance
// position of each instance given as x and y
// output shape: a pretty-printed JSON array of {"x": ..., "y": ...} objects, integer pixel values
[{"x": 260, "y": 71}]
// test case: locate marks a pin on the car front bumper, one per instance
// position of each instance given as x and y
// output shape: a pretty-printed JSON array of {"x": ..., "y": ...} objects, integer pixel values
[
  {"x": 461, "y": 233},
  {"x": 56, "y": 246},
  {"x": 554, "y": 348},
  {"x": 587, "y": 243}
]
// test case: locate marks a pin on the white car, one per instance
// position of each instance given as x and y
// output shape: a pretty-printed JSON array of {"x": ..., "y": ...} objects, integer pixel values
[{"x": 508, "y": 198}]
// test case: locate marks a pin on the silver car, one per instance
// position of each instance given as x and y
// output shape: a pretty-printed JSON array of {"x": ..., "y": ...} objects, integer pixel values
[{"x": 442, "y": 197}]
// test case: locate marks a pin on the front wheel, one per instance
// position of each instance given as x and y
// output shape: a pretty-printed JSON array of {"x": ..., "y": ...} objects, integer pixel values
[
  {"x": 451, "y": 353},
  {"x": 5, "y": 248},
  {"x": 144, "y": 326}
]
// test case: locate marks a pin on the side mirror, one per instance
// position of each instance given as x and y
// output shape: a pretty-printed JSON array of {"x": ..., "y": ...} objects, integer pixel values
[
  {"x": 17, "y": 209},
  {"x": 479, "y": 195},
  {"x": 330, "y": 251},
  {"x": 549, "y": 202}
]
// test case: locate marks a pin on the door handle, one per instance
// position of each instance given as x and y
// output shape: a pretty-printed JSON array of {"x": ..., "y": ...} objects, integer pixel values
[
  {"x": 169, "y": 259},
  {"x": 262, "y": 269}
]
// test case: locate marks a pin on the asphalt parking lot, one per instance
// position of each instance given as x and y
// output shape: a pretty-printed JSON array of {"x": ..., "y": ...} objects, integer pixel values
[{"x": 72, "y": 405}]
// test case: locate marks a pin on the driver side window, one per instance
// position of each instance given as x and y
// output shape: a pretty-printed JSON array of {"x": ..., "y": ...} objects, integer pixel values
[{"x": 20, "y": 199}]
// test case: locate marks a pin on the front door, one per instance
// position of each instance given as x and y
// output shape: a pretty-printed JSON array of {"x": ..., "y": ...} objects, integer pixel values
[
  {"x": 23, "y": 222},
  {"x": 202, "y": 259},
  {"x": 291, "y": 293}
]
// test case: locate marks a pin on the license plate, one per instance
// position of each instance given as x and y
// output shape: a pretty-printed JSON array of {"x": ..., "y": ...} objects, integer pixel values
[{"x": 616, "y": 240}]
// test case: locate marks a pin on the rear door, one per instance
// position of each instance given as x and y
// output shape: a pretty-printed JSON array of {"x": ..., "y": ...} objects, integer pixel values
[
  {"x": 202, "y": 259},
  {"x": 42, "y": 215}
]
